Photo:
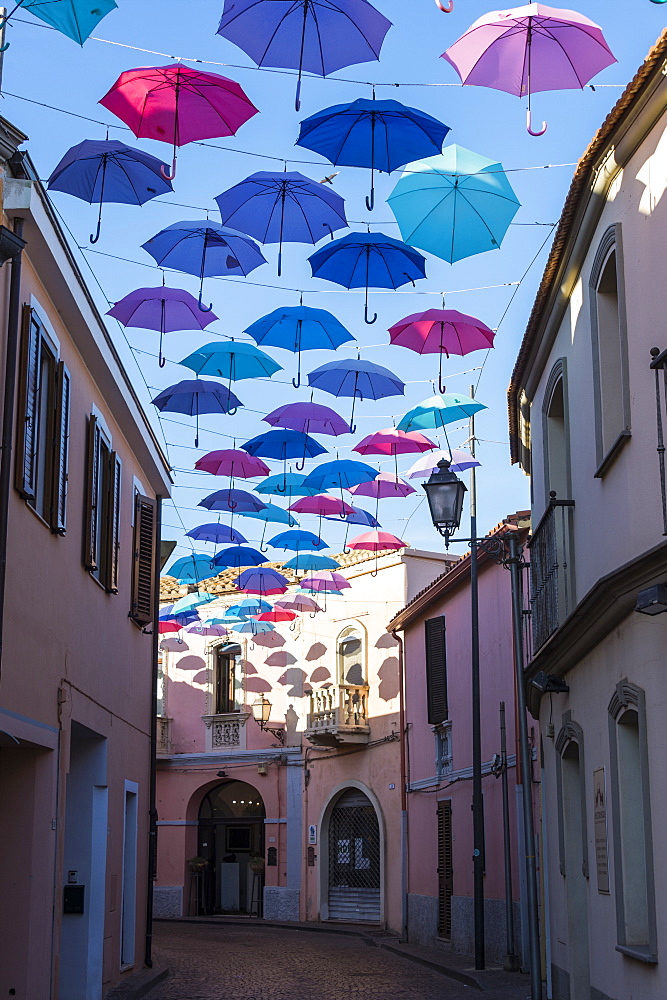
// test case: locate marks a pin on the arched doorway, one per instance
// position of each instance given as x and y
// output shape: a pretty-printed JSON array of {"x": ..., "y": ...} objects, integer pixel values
[
  {"x": 231, "y": 831},
  {"x": 352, "y": 879}
]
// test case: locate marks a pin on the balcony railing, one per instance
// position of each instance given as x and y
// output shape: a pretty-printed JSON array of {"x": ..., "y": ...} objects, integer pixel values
[
  {"x": 163, "y": 744},
  {"x": 551, "y": 570},
  {"x": 338, "y": 715}
]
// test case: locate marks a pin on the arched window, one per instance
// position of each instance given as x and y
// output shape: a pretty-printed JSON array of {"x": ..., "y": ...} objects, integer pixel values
[
  {"x": 351, "y": 654},
  {"x": 556, "y": 433}
]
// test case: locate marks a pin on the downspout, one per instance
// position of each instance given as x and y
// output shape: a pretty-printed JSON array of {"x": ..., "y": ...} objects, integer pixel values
[
  {"x": 404, "y": 795},
  {"x": 11, "y": 358},
  {"x": 152, "y": 781}
]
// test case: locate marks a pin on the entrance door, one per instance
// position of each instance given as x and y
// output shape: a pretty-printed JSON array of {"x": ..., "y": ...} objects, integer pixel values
[
  {"x": 576, "y": 883},
  {"x": 231, "y": 832},
  {"x": 354, "y": 860},
  {"x": 445, "y": 869}
]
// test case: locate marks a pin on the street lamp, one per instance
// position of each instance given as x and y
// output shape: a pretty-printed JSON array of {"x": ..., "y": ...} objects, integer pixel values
[
  {"x": 261, "y": 713},
  {"x": 445, "y": 493}
]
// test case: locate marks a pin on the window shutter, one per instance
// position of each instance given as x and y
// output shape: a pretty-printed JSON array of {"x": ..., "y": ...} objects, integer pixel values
[
  {"x": 113, "y": 514},
  {"x": 436, "y": 670},
  {"x": 143, "y": 580},
  {"x": 93, "y": 498},
  {"x": 25, "y": 468},
  {"x": 60, "y": 450}
]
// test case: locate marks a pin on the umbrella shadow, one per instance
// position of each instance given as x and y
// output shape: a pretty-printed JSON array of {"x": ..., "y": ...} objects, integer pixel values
[
  {"x": 258, "y": 685},
  {"x": 281, "y": 658},
  {"x": 388, "y": 673},
  {"x": 294, "y": 677},
  {"x": 317, "y": 650},
  {"x": 320, "y": 674},
  {"x": 386, "y": 641}
]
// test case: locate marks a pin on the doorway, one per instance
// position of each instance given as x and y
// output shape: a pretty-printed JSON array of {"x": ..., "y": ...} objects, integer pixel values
[
  {"x": 576, "y": 883},
  {"x": 231, "y": 832},
  {"x": 354, "y": 860},
  {"x": 445, "y": 869}
]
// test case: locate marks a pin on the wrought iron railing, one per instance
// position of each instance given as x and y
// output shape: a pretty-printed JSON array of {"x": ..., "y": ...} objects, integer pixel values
[
  {"x": 551, "y": 570},
  {"x": 338, "y": 706}
]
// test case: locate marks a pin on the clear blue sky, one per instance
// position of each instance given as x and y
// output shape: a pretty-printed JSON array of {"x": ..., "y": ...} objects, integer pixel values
[{"x": 44, "y": 66}]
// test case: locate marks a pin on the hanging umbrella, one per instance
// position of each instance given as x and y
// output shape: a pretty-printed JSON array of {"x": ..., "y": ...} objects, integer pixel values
[
  {"x": 340, "y": 474},
  {"x": 277, "y": 615},
  {"x": 204, "y": 249},
  {"x": 325, "y": 581},
  {"x": 216, "y": 532},
  {"x": 322, "y": 505},
  {"x": 232, "y": 361},
  {"x": 315, "y": 36},
  {"x": 99, "y": 171},
  {"x": 459, "y": 461},
  {"x": 454, "y": 205},
  {"x": 207, "y": 630},
  {"x": 438, "y": 411},
  {"x": 74, "y": 18},
  {"x": 165, "y": 627},
  {"x": 359, "y": 516},
  {"x": 194, "y": 397},
  {"x": 383, "y": 486},
  {"x": 441, "y": 331},
  {"x": 299, "y": 328},
  {"x": 191, "y": 569},
  {"x": 377, "y": 541},
  {"x": 364, "y": 260},
  {"x": 284, "y": 444},
  {"x": 305, "y": 562},
  {"x": 261, "y": 580},
  {"x": 238, "y": 556},
  {"x": 530, "y": 49},
  {"x": 163, "y": 309},
  {"x": 382, "y": 135},
  {"x": 253, "y": 627},
  {"x": 178, "y": 104},
  {"x": 250, "y": 606},
  {"x": 282, "y": 208},
  {"x": 292, "y": 485},
  {"x": 298, "y": 540},
  {"x": 237, "y": 501},
  {"x": 299, "y": 602},
  {"x": 394, "y": 442},
  {"x": 272, "y": 512},
  {"x": 191, "y": 601},
  {"x": 232, "y": 462},
  {"x": 358, "y": 379},
  {"x": 308, "y": 418}
]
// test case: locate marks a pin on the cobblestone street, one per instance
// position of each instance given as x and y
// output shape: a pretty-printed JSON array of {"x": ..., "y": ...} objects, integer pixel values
[{"x": 211, "y": 962}]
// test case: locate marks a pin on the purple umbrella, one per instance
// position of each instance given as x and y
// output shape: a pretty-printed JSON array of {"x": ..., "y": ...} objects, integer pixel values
[
  {"x": 261, "y": 581},
  {"x": 308, "y": 418},
  {"x": 358, "y": 516},
  {"x": 318, "y": 36},
  {"x": 237, "y": 501},
  {"x": 163, "y": 309},
  {"x": 194, "y": 396},
  {"x": 217, "y": 532},
  {"x": 358, "y": 379}
]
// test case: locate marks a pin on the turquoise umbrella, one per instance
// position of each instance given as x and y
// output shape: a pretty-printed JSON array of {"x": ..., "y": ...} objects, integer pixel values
[
  {"x": 74, "y": 18},
  {"x": 438, "y": 411},
  {"x": 454, "y": 205}
]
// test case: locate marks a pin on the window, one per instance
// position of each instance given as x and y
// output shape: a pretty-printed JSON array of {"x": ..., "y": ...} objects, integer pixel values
[
  {"x": 42, "y": 425},
  {"x": 556, "y": 433},
  {"x": 436, "y": 670},
  {"x": 351, "y": 667},
  {"x": 161, "y": 685},
  {"x": 443, "y": 749},
  {"x": 224, "y": 677},
  {"x": 144, "y": 548},
  {"x": 102, "y": 539}
]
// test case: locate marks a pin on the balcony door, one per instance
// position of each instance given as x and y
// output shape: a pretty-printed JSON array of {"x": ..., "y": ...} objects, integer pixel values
[{"x": 353, "y": 889}]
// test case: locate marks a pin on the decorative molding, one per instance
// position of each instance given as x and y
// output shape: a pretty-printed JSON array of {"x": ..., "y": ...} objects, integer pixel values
[
  {"x": 625, "y": 694},
  {"x": 571, "y": 732}
]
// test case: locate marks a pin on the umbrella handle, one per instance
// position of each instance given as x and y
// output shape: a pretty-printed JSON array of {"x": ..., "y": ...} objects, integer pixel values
[
  {"x": 165, "y": 173},
  {"x": 366, "y": 315},
  {"x": 300, "y": 465},
  {"x": 447, "y": 8},
  {"x": 529, "y": 123},
  {"x": 95, "y": 238},
  {"x": 297, "y": 96},
  {"x": 331, "y": 232},
  {"x": 370, "y": 201},
  {"x": 202, "y": 307}
]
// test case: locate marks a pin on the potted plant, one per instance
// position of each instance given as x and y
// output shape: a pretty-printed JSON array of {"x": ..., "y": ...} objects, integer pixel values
[
  {"x": 256, "y": 863},
  {"x": 197, "y": 864}
]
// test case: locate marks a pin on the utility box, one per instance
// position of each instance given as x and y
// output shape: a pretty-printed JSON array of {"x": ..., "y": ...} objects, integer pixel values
[{"x": 73, "y": 898}]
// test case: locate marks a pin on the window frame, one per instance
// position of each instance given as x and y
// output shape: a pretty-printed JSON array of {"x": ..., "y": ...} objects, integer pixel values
[
  {"x": 103, "y": 506},
  {"x": 557, "y": 376},
  {"x": 231, "y": 652},
  {"x": 435, "y": 630},
  {"x": 353, "y": 629}
]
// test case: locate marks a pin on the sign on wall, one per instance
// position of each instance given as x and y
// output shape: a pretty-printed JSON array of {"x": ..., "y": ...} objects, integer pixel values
[
  {"x": 312, "y": 834},
  {"x": 600, "y": 816}
]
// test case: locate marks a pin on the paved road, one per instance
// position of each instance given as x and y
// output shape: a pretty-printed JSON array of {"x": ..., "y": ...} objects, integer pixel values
[{"x": 212, "y": 962}]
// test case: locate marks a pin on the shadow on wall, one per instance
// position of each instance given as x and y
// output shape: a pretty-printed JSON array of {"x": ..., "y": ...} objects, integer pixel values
[
  {"x": 191, "y": 702},
  {"x": 258, "y": 685},
  {"x": 317, "y": 650},
  {"x": 191, "y": 662},
  {"x": 269, "y": 639},
  {"x": 280, "y": 659},
  {"x": 296, "y": 677},
  {"x": 388, "y": 674},
  {"x": 320, "y": 674},
  {"x": 248, "y": 667},
  {"x": 173, "y": 646},
  {"x": 386, "y": 641}
]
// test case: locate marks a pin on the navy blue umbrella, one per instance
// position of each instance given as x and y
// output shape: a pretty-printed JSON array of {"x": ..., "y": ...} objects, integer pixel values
[
  {"x": 284, "y": 444},
  {"x": 194, "y": 396},
  {"x": 99, "y": 171},
  {"x": 238, "y": 557},
  {"x": 238, "y": 501}
]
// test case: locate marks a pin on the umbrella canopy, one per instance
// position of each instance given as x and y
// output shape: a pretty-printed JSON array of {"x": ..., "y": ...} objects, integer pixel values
[
  {"x": 204, "y": 249},
  {"x": 299, "y": 328},
  {"x": 341, "y": 474},
  {"x": 207, "y": 629},
  {"x": 325, "y": 580},
  {"x": 277, "y": 615},
  {"x": 384, "y": 485},
  {"x": 237, "y": 501},
  {"x": 163, "y": 309},
  {"x": 291, "y": 484},
  {"x": 529, "y": 49},
  {"x": 459, "y": 461},
  {"x": 365, "y": 260},
  {"x": 74, "y": 18},
  {"x": 239, "y": 557},
  {"x": 323, "y": 505},
  {"x": 454, "y": 205},
  {"x": 249, "y": 606},
  {"x": 361, "y": 516},
  {"x": 99, "y": 171},
  {"x": 299, "y": 602},
  {"x": 261, "y": 581},
  {"x": 308, "y": 418},
  {"x": 253, "y": 627},
  {"x": 231, "y": 361},
  {"x": 308, "y": 561},
  {"x": 193, "y": 397},
  {"x": 282, "y": 208},
  {"x": 192, "y": 568},
  {"x": 394, "y": 442},
  {"x": 284, "y": 444},
  {"x": 376, "y": 541},
  {"x": 441, "y": 331},
  {"x": 233, "y": 462},
  {"x": 193, "y": 601},
  {"x": 272, "y": 512},
  {"x": 298, "y": 540},
  {"x": 166, "y": 626},
  {"x": 358, "y": 379},
  {"x": 318, "y": 36},
  {"x": 217, "y": 532},
  {"x": 178, "y": 104},
  {"x": 382, "y": 135},
  {"x": 438, "y": 411}
]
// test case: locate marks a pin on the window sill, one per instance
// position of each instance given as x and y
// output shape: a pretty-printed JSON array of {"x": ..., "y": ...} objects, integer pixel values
[
  {"x": 641, "y": 954},
  {"x": 612, "y": 454}
]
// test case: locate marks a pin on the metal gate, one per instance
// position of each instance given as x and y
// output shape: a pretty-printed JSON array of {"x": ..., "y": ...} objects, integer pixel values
[
  {"x": 445, "y": 869},
  {"x": 354, "y": 860}
]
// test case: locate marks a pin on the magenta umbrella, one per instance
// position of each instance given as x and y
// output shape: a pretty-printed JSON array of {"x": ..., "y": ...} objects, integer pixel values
[
  {"x": 393, "y": 442},
  {"x": 163, "y": 309},
  {"x": 386, "y": 484},
  {"x": 232, "y": 462},
  {"x": 325, "y": 580},
  {"x": 529, "y": 49},
  {"x": 322, "y": 505},
  {"x": 309, "y": 418},
  {"x": 441, "y": 331},
  {"x": 299, "y": 602},
  {"x": 377, "y": 541}
]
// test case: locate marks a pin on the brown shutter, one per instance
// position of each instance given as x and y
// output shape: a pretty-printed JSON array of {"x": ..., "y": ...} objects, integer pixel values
[
  {"x": 113, "y": 524},
  {"x": 93, "y": 496},
  {"x": 60, "y": 450},
  {"x": 436, "y": 670},
  {"x": 143, "y": 580},
  {"x": 445, "y": 869},
  {"x": 25, "y": 469}
]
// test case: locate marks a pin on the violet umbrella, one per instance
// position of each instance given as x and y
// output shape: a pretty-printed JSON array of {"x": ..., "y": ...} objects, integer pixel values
[
  {"x": 308, "y": 418},
  {"x": 194, "y": 396},
  {"x": 262, "y": 580},
  {"x": 384, "y": 486},
  {"x": 216, "y": 532},
  {"x": 529, "y": 49},
  {"x": 178, "y": 104},
  {"x": 459, "y": 461},
  {"x": 236, "y": 501},
  {"x": 441, "y": 331},
  {"x": 358, "y": 379},
  {"x": 394, "y": 442},
  {"x": 325, "y": 581},
  {"x": 232, "y": 462},
  {"x": 299, "y": 602},
  {"x": 163, "y": 309},
  {"x": 207, "y": 630}
]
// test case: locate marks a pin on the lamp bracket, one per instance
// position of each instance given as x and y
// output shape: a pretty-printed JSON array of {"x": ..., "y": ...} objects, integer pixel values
[{"x": 278, "y": 733}]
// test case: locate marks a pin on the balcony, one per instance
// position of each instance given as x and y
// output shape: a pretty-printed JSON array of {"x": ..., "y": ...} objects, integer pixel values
[
  {"x": 225, "y": 731},
  {"x": 338, "y": 715},
  {"x": 163, "y": 742},
  {"x": 552, "y": 594}
]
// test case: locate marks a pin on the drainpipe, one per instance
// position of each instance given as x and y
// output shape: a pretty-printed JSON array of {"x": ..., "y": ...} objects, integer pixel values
[
  {"x": 152, "y": 808},
  {"x": 404, "y": 796},
  {"x": 11, "y": 248}
]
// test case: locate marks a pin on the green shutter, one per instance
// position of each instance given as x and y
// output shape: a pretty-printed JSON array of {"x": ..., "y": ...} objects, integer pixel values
[
  {"x": 60, "y": 450},
  {"x": 436, "y": 670},
  {"x": 93, "y": 495},
  {"x": 25, "y": 469},
  {"x": 145, "y": 546}
]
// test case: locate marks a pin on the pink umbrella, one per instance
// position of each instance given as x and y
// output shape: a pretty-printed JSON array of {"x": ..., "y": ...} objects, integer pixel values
[
  {"x": 441, "y": 331},
  {"x": 529, "y": 49},
  {"x": 309, "y": 418},
  {"x": 394, "y": 442},
  {"x": 232, "y": 462},
  {"x": 178, "y": 104},
  {"x": 299, "y": 602},
  {"x": 169, "y": 626},
  {"x": 460, "y": 461},
  {"x": 386, "y": 484},
  {"x": 322, "y": 504},
  {"x": 377, "y": 541},
  {"x": 277, "y": 615},
  {"x": 325, "y": 580}
]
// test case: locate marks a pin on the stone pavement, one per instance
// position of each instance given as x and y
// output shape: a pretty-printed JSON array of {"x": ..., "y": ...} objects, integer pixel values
[{"x": 210, "y": 961}]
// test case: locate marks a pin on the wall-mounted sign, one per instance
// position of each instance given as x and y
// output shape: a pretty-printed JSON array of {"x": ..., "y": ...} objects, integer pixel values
[
  {"x": 600, "y": 822},
  {"x": 312, "y": 834},
  {"x": 311, "y": 857},
  {"x": 272, "y": 857}
]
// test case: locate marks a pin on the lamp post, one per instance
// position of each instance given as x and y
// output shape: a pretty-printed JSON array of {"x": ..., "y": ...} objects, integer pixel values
[{"x": 261, "y": 713}]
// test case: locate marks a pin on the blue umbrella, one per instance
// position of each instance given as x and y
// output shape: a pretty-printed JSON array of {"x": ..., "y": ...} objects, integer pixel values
[
  {"x": 191, "y": 601},
  {"x": 382, "y": 135},
  {"x": 284, "y": 444},
  {"x": 282, "y": 208},
  {"x": 358, "y": 379},
  {"x": 232, "y": 361},
  {"x": 254, "y": 627},
  {"x": 362, "y": 260},
  {"x": 438, "y": 411},
  {"x": 237, "y": 501},
  {"x": 454, "y": 205},
  {"x": 239, "y": 557},
  {"x": 249, "y": 606},
  {"x": 318, "y": 36},
  {"x": 272, "y": 512},
  {"x": 297, "y": 540},
  {"x": 217, "y": 532},
  {"x": 308, "y": 561},
  {"x": 291, "y": 485},
  {"x": 192, "y": 568},
  {"x": 185, "y": 617},
  {"x": 340, "y": 474},
  {"x": 299, "y": 328},
  {"x": 360, "y": 516},
  {"x": 262, "y": 580},
  {"x": 204, "y": 249},
  {"x": 192, "y": 397},
  {"x": 74, "y": 18},
  {"x": 99, "y": 171}
]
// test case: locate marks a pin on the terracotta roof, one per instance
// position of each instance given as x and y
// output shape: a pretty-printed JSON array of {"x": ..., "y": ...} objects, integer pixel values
[{"x": 580, "y": 182}]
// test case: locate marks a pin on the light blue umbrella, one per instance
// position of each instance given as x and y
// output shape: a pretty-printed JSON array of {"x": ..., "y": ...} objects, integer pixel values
[
  {"x": 74, "y": 18},
  {"x": 192, "y": 568},
  {"x": 299, "y": 328},
  {"x": 193, "y": 601},
  {"x": 272, "y": 512},
  {"x": 249, "y": 606},
  {"x": 454, "y": 205},
  {"x": 297, "y": 540},
  {"x": 438, "y": 411},
  {"x": 310, "y": 562},
  {"x": 231, "y": 361},
  {"x": 254, "y": 627},
  {"x": 290, "y": 485}
]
